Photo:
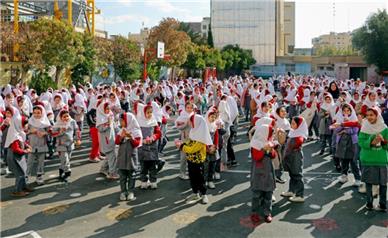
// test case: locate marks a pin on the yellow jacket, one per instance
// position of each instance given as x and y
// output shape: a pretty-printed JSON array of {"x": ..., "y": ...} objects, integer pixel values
[{"x": 195, "y": 151}]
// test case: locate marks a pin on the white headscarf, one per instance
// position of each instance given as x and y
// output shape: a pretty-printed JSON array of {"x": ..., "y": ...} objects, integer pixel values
[
  {"x": 211, "y": 125},
  {"x": 281, "y": 123},
  {"x": 200, "y": 132},
  {"x": 141, "y": 118},
  {"x": 61, "y": 104},
  {"x": 41, "y": 123},
  {"x": 233, "y": 107},
  {"x": 339, "y": 117},
  {"x": 157, "y": 111},
  {"x": 224, "y": 110},
  {"x": 132, "y": 125},
  {"x": 302, "y": 130},
  {"x": 101, "y": 116},
  {"x": 15, "y": 131},
  {"x": 61, "y": 124},
  {"x": 373, "y": 129},
  {"x": 183, "y": 118},
  {"x": 80, "y": 101},
  {"x": 369, "y": 103},
  {"x": 260, "y": 137}
]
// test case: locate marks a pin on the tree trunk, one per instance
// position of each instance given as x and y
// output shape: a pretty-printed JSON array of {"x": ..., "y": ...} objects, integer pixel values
[{"x": 58, "y": 74}]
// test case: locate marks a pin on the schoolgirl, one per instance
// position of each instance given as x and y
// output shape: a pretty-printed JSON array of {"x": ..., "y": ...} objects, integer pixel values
[
  {"x": 66, "y": 132},
  {"x": 17, "y": 147},
  {"x": 39, "y": 126},
  {"x": 346, "y": 143},
  {"x": 326, "y": 112},
  {"x": 373, "y": 140},
  {"x": 293, "y": 159},
  {"x": 262, "y": 171},
  {"x": 129, "y": 139},
  {"x": 195, "y": 149},
  {"x": 148, "y": 152},
  {"x": 282, "y": 127},
  {"x": 212, "y": 154},
  {"x": 106, "y": 133}
]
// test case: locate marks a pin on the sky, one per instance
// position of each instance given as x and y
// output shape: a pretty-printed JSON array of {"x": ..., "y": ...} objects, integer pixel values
[{"x": 313, "y": 17}]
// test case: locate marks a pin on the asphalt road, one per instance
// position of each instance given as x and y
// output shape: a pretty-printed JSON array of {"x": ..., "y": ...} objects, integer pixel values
[{"x": 89, "y": 205}]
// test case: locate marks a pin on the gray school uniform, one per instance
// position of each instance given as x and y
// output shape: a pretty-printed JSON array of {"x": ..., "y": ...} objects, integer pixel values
[
  {"x": 376, "y": 175},
  {"x": 65, "y": 145},
  {"x": 293, "y": 164},
  {"x": 18, "y": 165},
  {"x": 38, "y": 153},
  {"x": 262, "y": 184},
  {"x": 184, "y": 136},
  {"x": 107, "y": 146},
  {"x": 127, "y": 156},
  {"x": 150, "y": 151},
  {"x": 263, "y": 175},
  {"x": 324, "y": 123}
]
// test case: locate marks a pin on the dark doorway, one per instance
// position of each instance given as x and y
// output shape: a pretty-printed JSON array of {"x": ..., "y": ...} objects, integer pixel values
[{"x": 358, "y": 72}]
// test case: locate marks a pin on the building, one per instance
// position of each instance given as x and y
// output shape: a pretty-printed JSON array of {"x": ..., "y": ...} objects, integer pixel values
[
  {"x": 200, "y": 27},
  {"x": 340, "y": 67},
  {"x": 338, "y": 41},
  {"x": 289, "y": 27},
  {"x": 140, "y": 38},
  {"x": 266, "y": 27},
  {"x": 302, "y": 51}
]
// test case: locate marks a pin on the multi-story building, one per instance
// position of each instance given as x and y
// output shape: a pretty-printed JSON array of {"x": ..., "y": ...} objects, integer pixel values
[
  {"x": 335, "y": 40},
  {"x": 140, "y": 38},
  {"x": 266, "y": 27},
  {"x": 200, "y": 27}
]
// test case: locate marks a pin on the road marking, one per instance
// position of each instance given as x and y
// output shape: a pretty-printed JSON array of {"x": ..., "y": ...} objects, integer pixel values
[
  {"x": 33, "y": 234},
  {"x": 53, "y": 210},
  {"x": 185, "y": 218},
  {"x": 119, "y": 214}
]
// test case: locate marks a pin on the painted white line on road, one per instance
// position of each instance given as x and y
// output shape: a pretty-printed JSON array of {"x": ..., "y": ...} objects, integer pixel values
[{"x": 33, "y": 234}]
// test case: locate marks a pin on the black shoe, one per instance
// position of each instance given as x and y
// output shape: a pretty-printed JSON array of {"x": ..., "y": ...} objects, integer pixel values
[
  {"x": 369, "y": 206},
  {"x": 338, "y": 168},
  {"x": 65, "y": 177},
  {"x": 234, "y": 164},
  {"x": 280, "y": 180},
  {"x": 61, "y": 173},
  {"x": 160, "y": 165},
  {"x": 322, "y": 152},
  {"x": 381, "y": 208}
]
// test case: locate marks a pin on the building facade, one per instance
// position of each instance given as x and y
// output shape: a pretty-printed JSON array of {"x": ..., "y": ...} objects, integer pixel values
[
  {"x": 266, "y": 27},
  {"x": 201, "y": 28},
  {"x": 338, "y": 41},
  {"x": 140, "y": 38}
]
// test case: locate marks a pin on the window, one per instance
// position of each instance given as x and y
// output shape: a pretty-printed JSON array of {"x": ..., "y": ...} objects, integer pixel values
[{"x": 204, "y": 27}]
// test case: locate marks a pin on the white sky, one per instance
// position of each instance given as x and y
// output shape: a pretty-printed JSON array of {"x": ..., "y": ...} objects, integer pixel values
[{"x": 313, "y": 17}]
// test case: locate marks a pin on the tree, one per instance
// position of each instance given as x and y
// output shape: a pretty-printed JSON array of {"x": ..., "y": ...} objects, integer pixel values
[
  {"x": 372, "y": 40},
  {"x": 236, "y": 59},
  {"x": 104, "y": 51},
  {"x": 51, "y": 43},
  {"x": 330, "y": 50},
  {"x": 177, "y": 43},
  {"x": 89, "y": 64},
  {"x": 126, "y": 58},
  {"x": 210, "y": 37},
  {"x": 195, "y": 37}
]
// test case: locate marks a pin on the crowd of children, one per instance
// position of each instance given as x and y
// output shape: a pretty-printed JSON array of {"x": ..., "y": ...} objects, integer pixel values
[{"x": 128, "y": 131}]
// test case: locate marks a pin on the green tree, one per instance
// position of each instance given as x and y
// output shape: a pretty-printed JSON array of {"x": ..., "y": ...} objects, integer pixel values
[
  {"x": 236, "y": 59},
  {"x": 51, "y": 42},
  {"x": 126, "y": 59},
  {"x": 372, "y": 40},
  {"x": 89, "y": 64},
  {"x": 195, "y": 37},
  {"x": 210, "y": 37}
]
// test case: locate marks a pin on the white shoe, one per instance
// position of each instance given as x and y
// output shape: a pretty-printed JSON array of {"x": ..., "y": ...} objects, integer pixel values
[
  {"x": 357, "y": 183},
  {"x": 343, "y": 178},
  {"x": 217, "y": 176},
  {"x": 144, "y": 185},
  {"x": 131, "y": 196},
  {"x": 154, "y": 185},
  {"x": 273, "y": 198},
  {"x": 287, "y": 194},
  {"x": 211, "y": 185},
  {"x": 375, "y": 190},
  {"x": 123, "y": 197},
  {"x": 296, "y": 199},
  {"x": 362, "y": 188},
  {"x": 184, "y": 177},
  {"x": 7, "y": 171},
  {"x": 39, "y": 180},
  {"x": 193, "y": 198},
  {"x": 205, "y": 200}
]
